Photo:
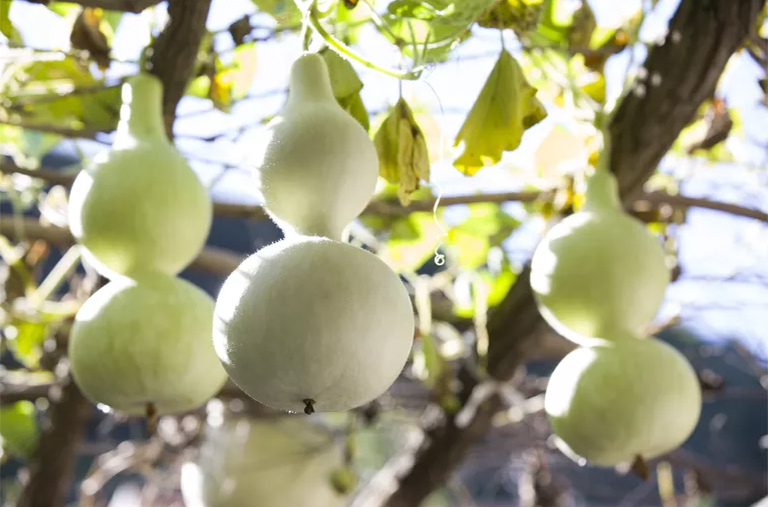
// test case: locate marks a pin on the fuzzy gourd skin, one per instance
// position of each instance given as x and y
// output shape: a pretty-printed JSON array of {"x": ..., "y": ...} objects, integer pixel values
[
  {"x": 599, "y": 272},
  {"x": 312, "y": 318},
  {"x": 610, "y": 403},
  {"x": 139, "y": 207},
  {"x": 315, "y": 165},
  {"x": 135, "y": 343},
  {"x": 274, "y": 462}
]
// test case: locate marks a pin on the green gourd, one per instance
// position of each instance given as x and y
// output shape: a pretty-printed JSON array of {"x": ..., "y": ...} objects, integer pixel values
[
  {"x": 139, "y": 207},
  {"x": 146, "y": 342},
  {"x": 315, "y": 165},
  {"x": 309, "y": 323},
  {"x": 599, "y": 273},
  {"x": 283, "y": 461},
  {"x": 613, "y": 402}
]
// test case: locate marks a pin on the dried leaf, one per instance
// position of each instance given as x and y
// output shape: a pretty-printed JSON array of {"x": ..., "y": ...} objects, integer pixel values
[
  {"x": 505, "y": 108},
  {"x": 87, "y": 35},
  {"x": 402, "y": 149},
  {"x": 241, "y": 29}
]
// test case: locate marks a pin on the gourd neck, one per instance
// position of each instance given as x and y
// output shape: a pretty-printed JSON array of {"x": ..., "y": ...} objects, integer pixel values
[
  {"x": 602, "y": 192},
  {"x": 141, "y": 116},
  {"x": 309, "y": 80}
]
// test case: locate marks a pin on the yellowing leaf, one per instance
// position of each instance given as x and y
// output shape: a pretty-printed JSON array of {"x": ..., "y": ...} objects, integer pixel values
[
  {"x": 506, "y": 107},
  {"x": 402, "y": 149}
]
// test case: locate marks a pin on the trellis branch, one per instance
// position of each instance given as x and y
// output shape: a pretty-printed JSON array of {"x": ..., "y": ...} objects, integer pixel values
[{"x": 644, "y": 206}]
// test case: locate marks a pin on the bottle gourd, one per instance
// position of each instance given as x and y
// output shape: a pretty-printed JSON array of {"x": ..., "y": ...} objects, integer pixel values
[
  {"x": 141, "y": 344},
  {"x": 283, "y": 461},
  {"x": 310, "y": 323},
  {"x": 599, "y": 272},
  {"x": 139, "y": 207},
  {"x": 599, "y": 278}
]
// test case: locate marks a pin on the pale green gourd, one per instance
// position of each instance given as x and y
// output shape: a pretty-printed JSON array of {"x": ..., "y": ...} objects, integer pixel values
[
  {"x": 309, "y": 318},
  {"x": 315, "y": 165},
  {"x": 275, "y": 462},
  {"x": 139, "y": 207},
  {"x": 613, "y": 402},
  {"x": 599, "y": 273},
  {"x": 136, "y": 343}
]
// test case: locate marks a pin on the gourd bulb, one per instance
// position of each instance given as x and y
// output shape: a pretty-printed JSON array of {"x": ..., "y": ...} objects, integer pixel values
[
  {"x": 599, "y": 272},
  {"x": 308, "y": 318},
  {"x": 135, "y": 343},
  {"x": 272, "y": 462},
  {"x": 139, "y": 207},
  {"x": 315, "y": 165},
  {"x": 613, "y": 402}
]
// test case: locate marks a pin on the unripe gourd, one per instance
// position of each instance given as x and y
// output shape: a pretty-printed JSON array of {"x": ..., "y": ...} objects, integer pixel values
[
  {"x": 309, "y": 318},
  {"x": 599, "y": 273},
  {"x": 136, "y": 344},
  {"x": 613, "y": 402},
  {"x": 315, "y": 165},
  {"x": 273, "y": 462},
  {"x": 139, "y": 207},
  {"x": 310, "y": 323}
]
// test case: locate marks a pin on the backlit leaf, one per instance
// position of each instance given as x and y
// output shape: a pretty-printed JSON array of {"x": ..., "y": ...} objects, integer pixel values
[
  {"x": 18, "y": 429},
  {"x": 506, "y": 107}
]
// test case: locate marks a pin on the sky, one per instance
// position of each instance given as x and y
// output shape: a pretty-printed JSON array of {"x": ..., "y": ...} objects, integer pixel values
[{"x": 713, "y": 245}]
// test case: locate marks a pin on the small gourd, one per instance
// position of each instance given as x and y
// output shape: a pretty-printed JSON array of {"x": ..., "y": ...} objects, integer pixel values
[
  {"x": 146, "y": 343},
  {"x": 614, "y": 402},
  {"x": 599, "y": 272},
  {"x": 315, "y": 165},
  {"x": 312, "y": 324},
  {"x": 283, "y": 461},
  {"x": 139, "y": 207}
]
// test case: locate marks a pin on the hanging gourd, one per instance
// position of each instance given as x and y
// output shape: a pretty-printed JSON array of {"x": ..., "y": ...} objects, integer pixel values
[
  {"x": 599, "y": 272},
  {"x": 139, "y": 207},
  {"x": 315, "y": 165},
  {"x": 310, "y": 323},
  {"x": 141, "y": 344},
  {"x": 272, "y": 462},
  {"x": 599, "y": 278},
  {"x": 146, "y": 342},
  {"x": 614, "y": 402}
]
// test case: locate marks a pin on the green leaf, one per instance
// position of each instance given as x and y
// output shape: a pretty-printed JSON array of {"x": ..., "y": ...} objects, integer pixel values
[
  {"x": 506, "y": 107},
  {"x": 285, "y": 12},
  {"x": 438, "y": 25},
  {"x": 27, "y": 345},
  {"x": 355, "y": 107},
  {"x": 497, "y": 287},
  {"x": 487, "y": 226},
  {"x": 46, "y": 93},
  {"x": 412, "y": 239},
  {"x": 6, "y": 27},
  {"x": 18, "y": 429},
  {"x": 554, "y": 25},
  {"x": 582, "y": 26},
  {"x": 344, "y": 79},
  {"x": 402, "y": 150}
]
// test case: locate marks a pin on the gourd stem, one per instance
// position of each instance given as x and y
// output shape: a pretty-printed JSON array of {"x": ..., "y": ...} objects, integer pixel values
[
  {"x": 343, "y": 50},
  {"x": 141, "y": 114}
]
